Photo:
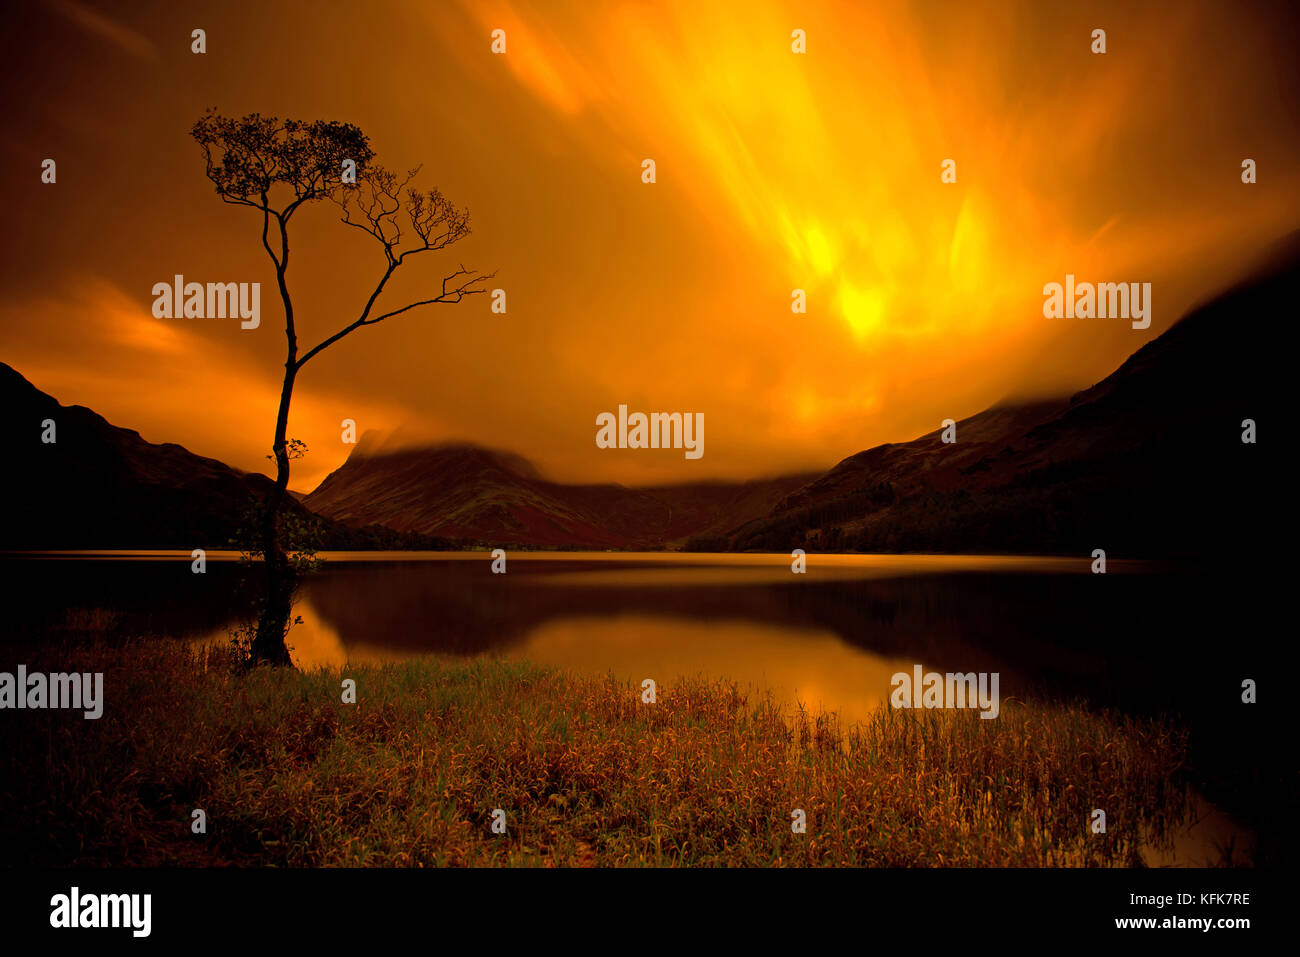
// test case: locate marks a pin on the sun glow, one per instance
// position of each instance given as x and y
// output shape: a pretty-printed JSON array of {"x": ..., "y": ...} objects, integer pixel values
[{"x": 820, "y": 171}]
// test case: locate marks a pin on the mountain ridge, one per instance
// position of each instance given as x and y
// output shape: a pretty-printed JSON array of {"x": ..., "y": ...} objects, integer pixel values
[
  {"x": 1148, "y": 461},
  {"x": 100, "y": 485}
]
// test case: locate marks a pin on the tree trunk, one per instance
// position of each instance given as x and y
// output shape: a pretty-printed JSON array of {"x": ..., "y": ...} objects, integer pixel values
[{"x": 268, "y": 646}]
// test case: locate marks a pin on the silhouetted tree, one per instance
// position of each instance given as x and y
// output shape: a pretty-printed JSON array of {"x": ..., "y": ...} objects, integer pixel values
[{"x": 275, "y": 167}]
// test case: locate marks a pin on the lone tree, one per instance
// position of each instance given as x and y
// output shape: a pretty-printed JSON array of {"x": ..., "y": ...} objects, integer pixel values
[{"x": 275, "y": 167}]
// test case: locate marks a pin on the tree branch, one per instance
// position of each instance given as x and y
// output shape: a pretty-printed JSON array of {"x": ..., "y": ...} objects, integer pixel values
[{"x": 454, "y": 294}]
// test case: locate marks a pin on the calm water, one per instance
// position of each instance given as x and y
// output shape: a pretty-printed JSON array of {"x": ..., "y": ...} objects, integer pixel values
[{"x": 1136, "y": 638}]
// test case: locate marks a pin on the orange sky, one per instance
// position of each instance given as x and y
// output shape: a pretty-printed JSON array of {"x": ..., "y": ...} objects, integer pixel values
[{"x": 775, "y": 171}]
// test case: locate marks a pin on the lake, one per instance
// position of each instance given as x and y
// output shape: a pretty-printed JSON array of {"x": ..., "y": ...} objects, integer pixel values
[{"x": 1135, "y": 638}]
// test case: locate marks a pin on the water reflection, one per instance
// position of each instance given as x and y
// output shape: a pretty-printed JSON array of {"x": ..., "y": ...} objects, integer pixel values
[
  {"x": 1130, "y": 637},
  {"x": 1140, "y": 637}
]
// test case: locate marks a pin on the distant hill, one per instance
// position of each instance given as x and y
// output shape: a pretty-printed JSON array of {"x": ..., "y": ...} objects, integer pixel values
[
  {"x": 101, "y": 486},
  {"x": 1149, "y": 461},
  {"x": 466, "y": 492}
]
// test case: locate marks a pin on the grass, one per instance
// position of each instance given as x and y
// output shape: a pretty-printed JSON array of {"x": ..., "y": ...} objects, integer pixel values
[{"x": 587, "y": 775}]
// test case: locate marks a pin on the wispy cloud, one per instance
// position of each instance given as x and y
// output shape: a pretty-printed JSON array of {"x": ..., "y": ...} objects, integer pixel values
[
  {"x": 122, "y": 37},
  {"x": 97, "y": 346}
]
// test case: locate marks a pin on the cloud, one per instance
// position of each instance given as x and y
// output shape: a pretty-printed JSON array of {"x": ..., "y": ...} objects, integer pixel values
[
  {"x": 777, "y": 171},
  {"x": 122, "y": 37},
  {"x": 98, "y": 347}
]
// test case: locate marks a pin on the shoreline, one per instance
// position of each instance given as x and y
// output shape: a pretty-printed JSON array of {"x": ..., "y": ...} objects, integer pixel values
[{"x": 287, "y": 774}]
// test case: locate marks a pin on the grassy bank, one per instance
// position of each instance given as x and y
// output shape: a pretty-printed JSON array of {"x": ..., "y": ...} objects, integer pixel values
[{"x": 586, "y": 773}]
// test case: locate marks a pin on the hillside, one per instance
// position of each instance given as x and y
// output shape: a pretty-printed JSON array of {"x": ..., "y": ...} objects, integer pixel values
[
  {"x": 1149, "y": 461},
  {"x": 101, "y": 486},
  {"x": 466, "y": 492}
]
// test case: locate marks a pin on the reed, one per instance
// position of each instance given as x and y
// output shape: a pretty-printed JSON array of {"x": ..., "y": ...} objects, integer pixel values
[{"x": 289, "y": 775}]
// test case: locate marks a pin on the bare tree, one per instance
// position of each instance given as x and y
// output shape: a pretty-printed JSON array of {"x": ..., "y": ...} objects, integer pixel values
[{"x": 275, "y": 167}]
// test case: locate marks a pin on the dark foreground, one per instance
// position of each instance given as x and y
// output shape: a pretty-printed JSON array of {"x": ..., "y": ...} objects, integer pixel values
[{"x": 414, "y": 772}]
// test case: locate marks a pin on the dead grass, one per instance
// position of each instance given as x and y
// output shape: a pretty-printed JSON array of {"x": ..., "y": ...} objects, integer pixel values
[{"x": 586, "y": 773}]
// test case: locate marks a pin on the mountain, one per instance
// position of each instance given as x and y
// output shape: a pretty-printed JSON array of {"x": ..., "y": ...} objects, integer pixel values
[
  {"x": 1149, "y": 461},
  {"x": 467, "y": 492},
  {"x": 101, "y": 486}
]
